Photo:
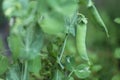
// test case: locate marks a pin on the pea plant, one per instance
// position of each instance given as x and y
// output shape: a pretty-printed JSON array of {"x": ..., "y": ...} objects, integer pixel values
[{"x": 47, "y": 40}]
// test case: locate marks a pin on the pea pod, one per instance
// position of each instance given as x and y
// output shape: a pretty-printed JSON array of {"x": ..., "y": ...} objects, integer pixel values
[
  {"x": 81, "y": 37},
  {"x": 96, "y": 15}
]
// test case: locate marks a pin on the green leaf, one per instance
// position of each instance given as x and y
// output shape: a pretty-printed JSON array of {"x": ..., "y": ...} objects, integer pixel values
[
  {"x": 26, "y": 43},
  {"x": 13, "y": 73},
  {"x": 116, "y": 77},
  {"x": 71, "y": 78},
  {"x": 24, "y": 3},
  {"x": 3, "y": 64},
  {"x": 82, "y": 71},
  {"x": 117, "y": 20},
  {"x": 117, "y": 53},
  {"x": 34, "y": 65},
  {"x": 43, "y": 6},
  {"x": 33, "y": 43},
  {"x": 16, "y": 45},
  {"x": 58, "y": 75},
  {"x": 69, "y": 63},
  {"x": 52, "y": 24},
  {"x": 70, "y": 24},
  {"x": 12, "y": 7},
  {"x": 66, "y": 7},
  {"x": 28, "y": 20},
  {"x": 96, "y": 68},
  {"x": 15, "y": 40},
  {"x": 1, "y": 79},
  {"x": 50, "y": 48}
]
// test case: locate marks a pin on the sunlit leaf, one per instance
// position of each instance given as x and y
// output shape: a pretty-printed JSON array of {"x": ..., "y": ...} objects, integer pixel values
[{"x": 1, "y": 79}]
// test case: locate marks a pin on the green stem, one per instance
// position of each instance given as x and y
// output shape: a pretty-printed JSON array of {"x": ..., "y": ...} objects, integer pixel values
[
  {"x": 25, "y": 70},
  {"x": 62, "y": 51},
  {"x": 22, "y": 71},
  {"x": 70, "y": 74},
  {"x": 63, "y": 48}
]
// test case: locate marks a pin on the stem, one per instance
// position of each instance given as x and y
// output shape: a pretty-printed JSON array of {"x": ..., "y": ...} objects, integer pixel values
[
  {"x": 22, "y": 71},
  {"x": 25, "y": 70},
  {"x": 63, "y": 48},
  {"x": 70, "y": 74},
  {"x": 62, "y": 51},
  {"x": 60, "y": 64}
]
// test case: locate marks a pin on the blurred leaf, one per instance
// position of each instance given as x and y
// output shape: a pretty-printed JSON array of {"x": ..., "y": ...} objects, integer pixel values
[
  {"x": 29, "y": 20},
  {"x": 52, "y": 24},
  {"x": 3, "y": 64},
  {"x": 16, "y": 45},
  {"x": 117, "y": 20},
  {"x": 58, "y": 75},
  {"x": 66, "y": 7},
  {"x": 96, "y": 68},
  {"x": 71, "y": 78},
  {"x": 72, "y": 23},
  {"x": 82, "y": 71},
  {"x": 70, "y": 63},
  {"x": 43, "y": 6},
  {"x": 93, "y": 57},
  {"x": 26, "y": 45},
  {"x": 72, "y": 31},
  {"x": 32, "y": 43},
  {"x": 35, "y": 65},
  {"x": 24, "y": 3},
  {"x": 116, "y": 77},
  {"x": 51, "y": 50},
  {"x": 12, "y": 7},
  {"x": 13, "y": 73},
  {"x": 117, "y": 53}
]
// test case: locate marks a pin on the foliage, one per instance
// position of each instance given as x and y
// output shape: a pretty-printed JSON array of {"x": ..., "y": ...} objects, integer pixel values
[{"x": 48, "y": 40}]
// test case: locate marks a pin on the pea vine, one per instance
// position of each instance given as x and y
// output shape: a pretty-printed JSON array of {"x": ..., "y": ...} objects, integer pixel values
[{"x": 39, "y": 38}]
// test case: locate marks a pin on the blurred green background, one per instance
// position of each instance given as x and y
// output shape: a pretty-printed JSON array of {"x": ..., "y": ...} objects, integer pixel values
[{"x": 104, "y": 52}]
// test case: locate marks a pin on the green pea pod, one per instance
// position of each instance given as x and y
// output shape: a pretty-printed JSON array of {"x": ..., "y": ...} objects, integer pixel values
[
  {"x": 81, "y": 37},
  {"x": 97, "y": 16}
]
